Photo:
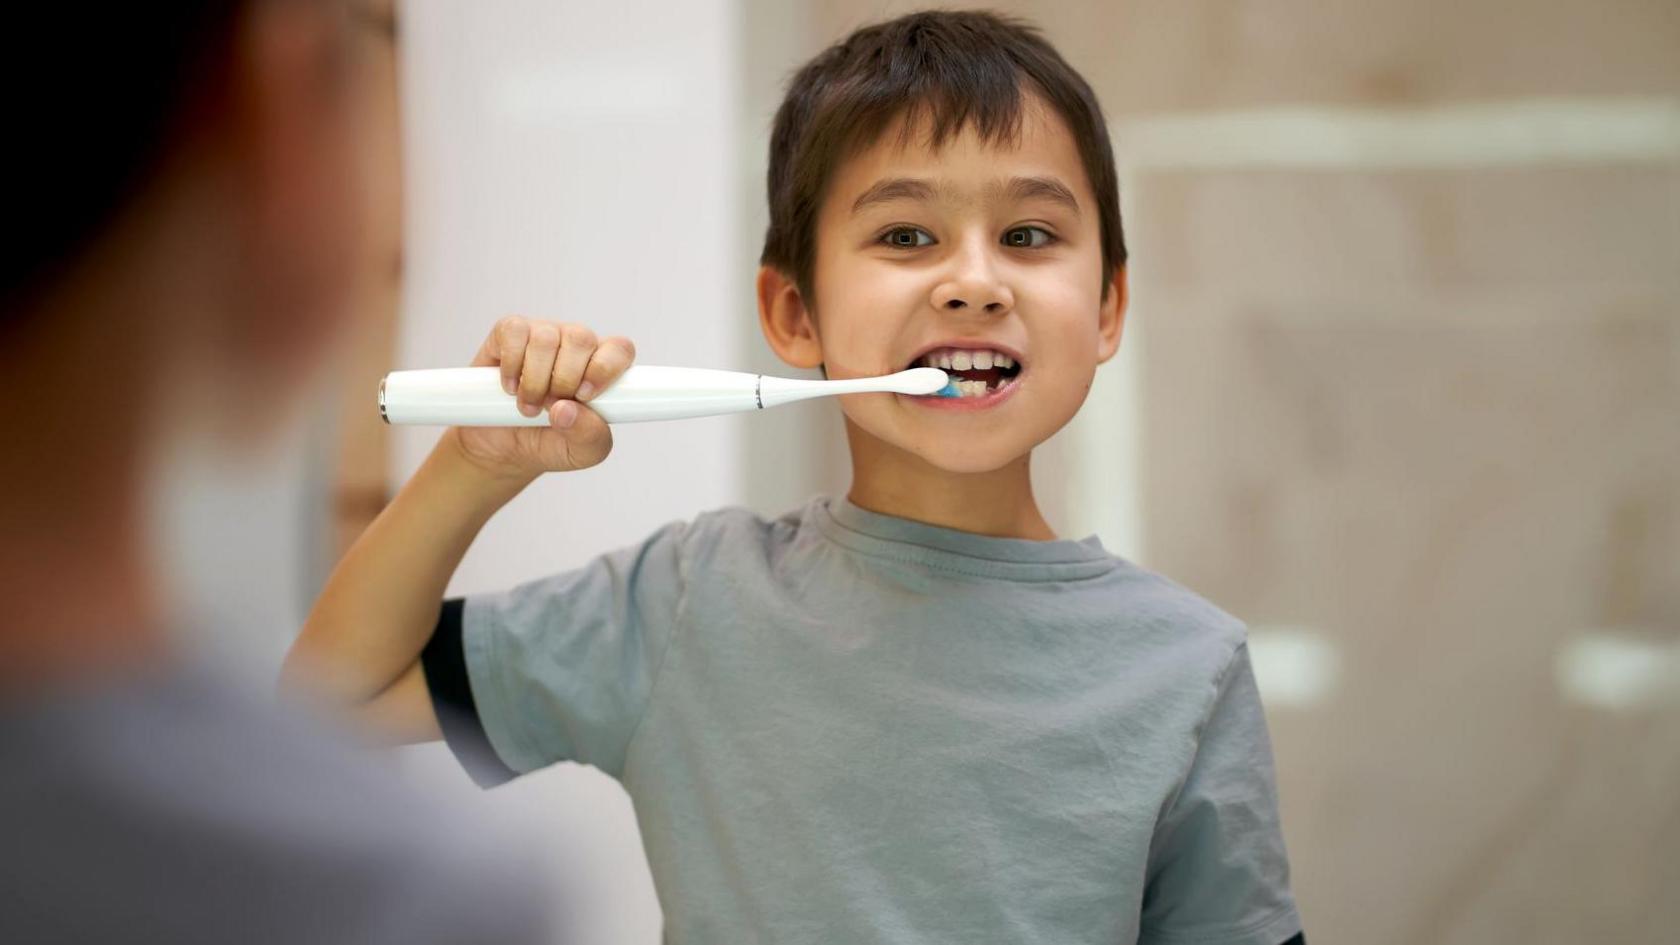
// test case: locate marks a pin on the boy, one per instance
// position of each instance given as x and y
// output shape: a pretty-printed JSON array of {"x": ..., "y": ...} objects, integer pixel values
[{"x": 907, "y": 715}]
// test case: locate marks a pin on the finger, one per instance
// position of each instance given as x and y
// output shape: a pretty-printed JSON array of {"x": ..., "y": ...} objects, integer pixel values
[
  {"x": 611, "y": 359},
  {"x": 490, "y": 350},
  {"x": 538, "y": 368},
  {"x": 510, "y": 337},
  {"x": 577, "y": 343}
]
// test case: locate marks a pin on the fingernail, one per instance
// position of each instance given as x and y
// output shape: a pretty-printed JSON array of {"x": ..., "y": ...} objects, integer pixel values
[
  {"x": 566, "y": 414},
  {"x": 507, "y": 384},
  {"x": 528, "y": 410},
  {"x": 585, "y": 390}
]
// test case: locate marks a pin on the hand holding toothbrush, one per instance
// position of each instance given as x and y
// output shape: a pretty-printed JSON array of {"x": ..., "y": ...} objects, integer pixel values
[{"x": 551, "y": 367}]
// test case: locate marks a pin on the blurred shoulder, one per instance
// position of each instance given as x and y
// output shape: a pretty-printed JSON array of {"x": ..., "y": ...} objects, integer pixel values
[{"x": 184, "y": 784}]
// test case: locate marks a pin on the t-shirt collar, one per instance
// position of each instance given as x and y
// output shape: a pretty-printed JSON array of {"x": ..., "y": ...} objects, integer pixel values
[{"x": 868, "y": 531}]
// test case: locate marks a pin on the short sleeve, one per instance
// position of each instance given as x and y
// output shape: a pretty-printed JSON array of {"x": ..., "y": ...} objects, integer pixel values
[
  {"x": 1217, "y": 869},
  {"x": 562, "y": 668}
]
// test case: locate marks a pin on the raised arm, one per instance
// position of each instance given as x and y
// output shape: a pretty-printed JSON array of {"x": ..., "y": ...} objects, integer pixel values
[{"x": 359, "y": 649}]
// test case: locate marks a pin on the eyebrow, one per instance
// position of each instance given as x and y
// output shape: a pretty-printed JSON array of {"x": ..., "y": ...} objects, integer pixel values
[
  {"x": 894, "y": 188},
  {"x": 1042, "y": 188},
  {"x": 1018, "y": 189}
]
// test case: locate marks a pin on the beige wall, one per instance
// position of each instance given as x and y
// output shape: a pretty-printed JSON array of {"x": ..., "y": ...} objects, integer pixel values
[{"x": 1406, "y": 325}]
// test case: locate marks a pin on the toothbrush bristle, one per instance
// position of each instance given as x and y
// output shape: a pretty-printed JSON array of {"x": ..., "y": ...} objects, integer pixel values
[{"x": 949, "y": 390}]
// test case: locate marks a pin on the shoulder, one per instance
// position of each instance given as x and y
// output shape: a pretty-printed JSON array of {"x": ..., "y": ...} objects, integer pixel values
[
  {"x": 186, "y": 784},
  {"x": 1155, "y": 598},
  {"x": 1171, "y": 620},
  {"x": 734, "y": 528},
  {"x": 742, "y": 521}
]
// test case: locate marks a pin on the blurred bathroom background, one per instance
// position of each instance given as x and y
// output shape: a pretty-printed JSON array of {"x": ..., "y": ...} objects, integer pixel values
[{"x": 1400, "y": 388}]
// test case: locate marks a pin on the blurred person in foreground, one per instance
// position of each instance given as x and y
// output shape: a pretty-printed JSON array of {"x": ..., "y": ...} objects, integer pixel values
[{"x": 188, "y": 230}]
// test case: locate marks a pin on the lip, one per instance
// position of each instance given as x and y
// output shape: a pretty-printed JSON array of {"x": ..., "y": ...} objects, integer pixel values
[{"x": 966, "y": 404}]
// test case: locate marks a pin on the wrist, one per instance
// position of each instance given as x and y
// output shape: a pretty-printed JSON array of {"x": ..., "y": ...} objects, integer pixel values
[{"x": 466, "y": 471}]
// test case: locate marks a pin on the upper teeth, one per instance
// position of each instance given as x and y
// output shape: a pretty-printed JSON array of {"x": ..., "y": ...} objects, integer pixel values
[{"x": 964, "y": 359}]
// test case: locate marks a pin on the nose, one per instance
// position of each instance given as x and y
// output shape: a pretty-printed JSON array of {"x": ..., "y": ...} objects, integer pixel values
[{"x": 973, "y": 285}]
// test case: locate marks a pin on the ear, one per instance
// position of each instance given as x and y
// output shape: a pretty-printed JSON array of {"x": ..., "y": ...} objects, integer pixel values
[
  {"x": 786, "y": 321},
  {"x": 295, "y": 148},
  {"x": 1112, "y": 316},
  {"x": 301, "y": 153}
]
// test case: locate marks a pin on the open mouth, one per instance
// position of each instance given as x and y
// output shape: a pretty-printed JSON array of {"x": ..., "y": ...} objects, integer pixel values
[{"x": 975, "y": 372}]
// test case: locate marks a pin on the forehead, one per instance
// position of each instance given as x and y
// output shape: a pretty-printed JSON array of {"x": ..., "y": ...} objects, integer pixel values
[{"x": 964, "y": 161}]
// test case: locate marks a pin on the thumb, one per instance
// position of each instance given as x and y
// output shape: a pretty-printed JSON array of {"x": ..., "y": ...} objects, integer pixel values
[{"x": 584, "y": 438}]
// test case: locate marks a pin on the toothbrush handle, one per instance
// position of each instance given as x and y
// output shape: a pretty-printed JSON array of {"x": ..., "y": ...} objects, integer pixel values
[{"x": 473, "y": 397}]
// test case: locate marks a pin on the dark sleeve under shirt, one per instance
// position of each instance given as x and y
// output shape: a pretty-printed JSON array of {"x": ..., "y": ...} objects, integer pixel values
[{"x": 444, "y": 661}]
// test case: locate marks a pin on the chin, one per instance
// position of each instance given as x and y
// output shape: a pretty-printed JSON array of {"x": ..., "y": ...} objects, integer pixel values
[
  {"x": 957, "y": 445},
  {"x": 966, "y": 458}
]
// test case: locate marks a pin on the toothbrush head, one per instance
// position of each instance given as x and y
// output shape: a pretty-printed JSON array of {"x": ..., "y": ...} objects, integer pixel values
[{"x": 918, "y": 382}]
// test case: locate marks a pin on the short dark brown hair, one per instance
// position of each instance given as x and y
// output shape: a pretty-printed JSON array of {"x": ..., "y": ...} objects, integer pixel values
[{"x": 942, "y": 71}]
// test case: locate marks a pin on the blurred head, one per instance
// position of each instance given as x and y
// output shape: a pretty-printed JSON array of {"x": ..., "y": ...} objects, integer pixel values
[
  {"x": 191, "y": 180},
  {"x": 942, "y": 191}
]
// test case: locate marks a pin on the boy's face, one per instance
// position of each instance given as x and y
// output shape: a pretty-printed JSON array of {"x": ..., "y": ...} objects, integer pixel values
[{"x": 982, "y": 259}]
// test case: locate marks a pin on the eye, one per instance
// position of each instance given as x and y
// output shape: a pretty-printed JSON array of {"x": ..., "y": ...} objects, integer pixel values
[
  {"x": 907, "y": 237},
  {"x": 1028, "y": 237}
]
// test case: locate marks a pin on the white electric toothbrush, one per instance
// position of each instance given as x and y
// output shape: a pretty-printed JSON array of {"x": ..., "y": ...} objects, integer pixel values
[{"x": 473, "y": 397}]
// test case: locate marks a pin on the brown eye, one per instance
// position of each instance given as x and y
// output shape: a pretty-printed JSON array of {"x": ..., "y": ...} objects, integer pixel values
[
  {"x": 907, "y": 237},
  {"x": 1027, "y": 237}
]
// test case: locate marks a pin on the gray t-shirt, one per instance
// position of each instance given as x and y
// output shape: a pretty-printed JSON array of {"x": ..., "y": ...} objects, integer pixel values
[
  {"x": 841, "y": 726},
  {"x": 171, "y": 807}
]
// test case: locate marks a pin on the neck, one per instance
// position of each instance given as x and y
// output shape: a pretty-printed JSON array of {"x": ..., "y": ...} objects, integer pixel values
[
  {"x": 893, "y": 481},
  {"x": 74, "y": 572}
]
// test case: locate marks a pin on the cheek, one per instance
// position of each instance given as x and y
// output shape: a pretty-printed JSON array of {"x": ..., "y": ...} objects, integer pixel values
[
  {"x": 855, "y": 344},
  {"x": 1066, "y": 336},
  {"x": 862, "y": 309},
  {"x": 317, "y": 254}
]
